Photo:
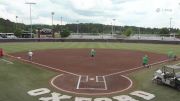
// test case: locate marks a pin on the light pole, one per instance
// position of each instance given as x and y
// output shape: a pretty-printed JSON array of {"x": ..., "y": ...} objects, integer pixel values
[
  {"x": 30, "y": 3},
  {"x": 170, "y": 26},
  {"x": 170, "y": 19},
  {"x": 111, "y": 28},
  {"x": 114, "y": 27},
  {"x": 165, "y": 10},
  {"x": 16, "y": 21},
  {"x": 52, "y": 13},
  {"x": 139, "y": 32},
  {"x": 61, "y": 20},
  {"x": 77, "y": 26}
]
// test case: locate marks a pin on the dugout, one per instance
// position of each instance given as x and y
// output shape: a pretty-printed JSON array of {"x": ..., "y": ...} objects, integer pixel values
[{"x": 27, "y": 34}]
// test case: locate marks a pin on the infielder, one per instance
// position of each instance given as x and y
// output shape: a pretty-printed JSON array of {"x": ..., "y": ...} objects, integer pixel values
[
  {"x": 92, "y": 53},
  {"x": 171, "y": 56},
  {"x": 30, "y": 54},
  {"x": 145, "y": 61}
]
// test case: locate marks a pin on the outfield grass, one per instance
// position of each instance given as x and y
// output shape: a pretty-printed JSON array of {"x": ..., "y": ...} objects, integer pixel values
[
  {"x": 158, "y": 48},
  {"x": 18, "y": 78}
]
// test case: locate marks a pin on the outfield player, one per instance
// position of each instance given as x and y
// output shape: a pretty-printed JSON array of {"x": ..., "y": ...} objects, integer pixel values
[{"x": 30, "y": 55}]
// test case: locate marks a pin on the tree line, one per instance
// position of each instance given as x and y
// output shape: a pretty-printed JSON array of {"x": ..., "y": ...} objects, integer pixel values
[{"x": 7, "y": 26}]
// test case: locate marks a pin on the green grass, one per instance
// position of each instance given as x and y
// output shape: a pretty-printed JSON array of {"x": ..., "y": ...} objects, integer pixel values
[
  {"x": 143, "y": 82},
  {"x": 159, "y": 48},
  {"x": 17, "y": 79}
]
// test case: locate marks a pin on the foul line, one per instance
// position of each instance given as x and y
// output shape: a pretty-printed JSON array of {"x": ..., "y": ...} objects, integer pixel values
[
  {"x": 42, "y": 65},
  {"x": 136, "y": 68},
  {"x": 79, "y": 75},
  {"x": 177, "y": 64},
  {"x": 9, "y": 62},
  {"x": 130, "y": 85}
]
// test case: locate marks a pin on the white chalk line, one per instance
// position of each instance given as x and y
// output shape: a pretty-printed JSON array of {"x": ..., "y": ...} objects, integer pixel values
[
  {"x": 131, "y": 83},
  {"x": 135, "y": 68},
  {"x": 177, "y": 64},
  {"x": 105, "y": 84},
  {"x": 80, "y": 80},
  {"x": 54, "y": 78},
  {"x": 79, "y": 75},
  {"x": 85, "y": 77},
  {"x": 43, "y": 65},
  {"x": 97, "y": 79},
  {"x": 9, "y": 62}
]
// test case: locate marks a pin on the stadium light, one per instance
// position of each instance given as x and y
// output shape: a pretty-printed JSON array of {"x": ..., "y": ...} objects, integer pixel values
[
  {"x": 30, "y": 3},
  {"x": 16, "y": 21},
  {"x": 52, "y": 13},
  {"x": 158, "y": 10}
]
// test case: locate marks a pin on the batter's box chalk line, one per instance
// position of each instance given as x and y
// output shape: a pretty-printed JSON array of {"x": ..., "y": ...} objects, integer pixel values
[
  {"x": 113, "y": 92},
  {"x": 100, "y": 79},
  {"x": 86, "y": 79}
]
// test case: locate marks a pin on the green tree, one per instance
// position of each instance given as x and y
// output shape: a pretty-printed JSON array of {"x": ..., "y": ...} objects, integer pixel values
[
  {"x": 178, "y": 32},
  {"x": 128, "y": 32},
  {"x": 18, "y": 32},
  {"x": 65, "y": 33},
  {"x": 164, "y": 31}
]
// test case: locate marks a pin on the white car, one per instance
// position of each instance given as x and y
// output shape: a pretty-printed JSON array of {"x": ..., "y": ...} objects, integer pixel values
[{"x": 11, "y": 37}]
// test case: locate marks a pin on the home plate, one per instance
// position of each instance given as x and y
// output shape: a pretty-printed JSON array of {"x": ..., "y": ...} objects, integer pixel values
[
  {"x": 92, "y": 79},
  {"x": 19, "y": 57}
]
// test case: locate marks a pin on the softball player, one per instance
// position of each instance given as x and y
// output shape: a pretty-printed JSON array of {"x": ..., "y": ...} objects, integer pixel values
[
  {"x": 145, "y": 61},
  {"x": 30, "y": 54},
  {"x": 93, "y": 53}
]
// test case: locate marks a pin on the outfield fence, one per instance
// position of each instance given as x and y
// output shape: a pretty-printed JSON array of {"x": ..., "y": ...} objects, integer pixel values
[{"x": 91, "y": 40}]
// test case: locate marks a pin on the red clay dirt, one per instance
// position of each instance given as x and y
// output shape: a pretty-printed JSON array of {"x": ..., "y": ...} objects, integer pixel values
[{"x": 78, "y": 61}]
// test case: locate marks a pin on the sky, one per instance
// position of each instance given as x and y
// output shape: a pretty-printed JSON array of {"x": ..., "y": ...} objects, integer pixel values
[{"x": 141, "y": 13}]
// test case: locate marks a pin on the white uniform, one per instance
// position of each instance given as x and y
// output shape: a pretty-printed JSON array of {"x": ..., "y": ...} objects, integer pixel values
[{"x": 30, "y": 54}]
